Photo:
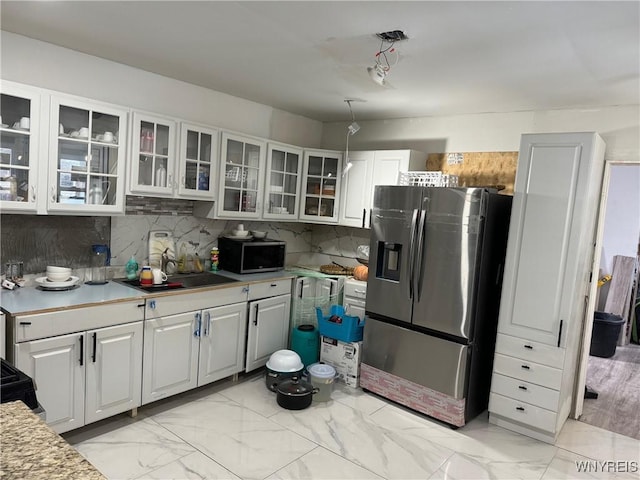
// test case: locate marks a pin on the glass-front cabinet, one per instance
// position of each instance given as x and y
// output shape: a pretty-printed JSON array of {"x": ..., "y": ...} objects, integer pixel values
[
  {"x": 153, "y": 155},
  {"x": 242, "y": 161},
  {"x": 321, "y": 186},
  {"x": 87, "y": 155},
  {"x": 198, "y": 161},
  {"x": 282, "y": 184},
  {"x": 19, "y": 143}
]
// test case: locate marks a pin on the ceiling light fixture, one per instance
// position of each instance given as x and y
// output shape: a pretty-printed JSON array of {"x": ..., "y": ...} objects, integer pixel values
[
  {"x": 379, "y": 70},
  {"x": 352, "y": 129}
]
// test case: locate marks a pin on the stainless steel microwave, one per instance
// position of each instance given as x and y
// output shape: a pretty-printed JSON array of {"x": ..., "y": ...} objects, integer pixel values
[{"x": 251, "y": 256}]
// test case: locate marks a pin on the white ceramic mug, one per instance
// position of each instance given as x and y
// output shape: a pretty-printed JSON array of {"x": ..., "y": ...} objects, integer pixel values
[
  {"x": 107, "y": 137},
  {"x": 83, "y": 132},
  {"x": 25, "y": 122},
  {"x": 158, "y": 276}
]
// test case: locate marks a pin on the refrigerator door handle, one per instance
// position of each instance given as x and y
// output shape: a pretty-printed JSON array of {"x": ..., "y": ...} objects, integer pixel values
[
  {"x": 412, "y": 241},
  {"x": 423, "y": 217}
]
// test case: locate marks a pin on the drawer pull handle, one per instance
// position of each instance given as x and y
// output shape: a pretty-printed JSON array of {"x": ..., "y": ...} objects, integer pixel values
[
  {"x": 526, "y": 367},
  {"x": 274, "y": 284},
  {"x": 141, "y": 305},
  {"x": 529, "y": 347},
  {"x": 522, "y": 387},
  {"x": 25, "y": 323},
  {"x": 520, "y": 409}
]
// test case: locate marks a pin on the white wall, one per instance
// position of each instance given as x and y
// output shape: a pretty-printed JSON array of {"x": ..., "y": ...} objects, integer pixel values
[
  {"x": 619, "y": 126},
  {"x": 622, "y": 217},
  {"x": 45, "y": 65}
]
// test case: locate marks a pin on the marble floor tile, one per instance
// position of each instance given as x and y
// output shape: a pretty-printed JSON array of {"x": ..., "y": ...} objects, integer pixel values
[
  {"x": 596, "y": 443},
  {"x": 193, "y": 466},
  {"x": 321, "y": 464},
  {"x": 358, "y": 399},
  {"x": 566, "y": 464},
  {"x": 490, "y": 451},
  {"x": 252, "y": 393},
  {"x": 389, "y": 451},
  {"x": 133, "y": 449},
  {"x": 246, "y": 443}
]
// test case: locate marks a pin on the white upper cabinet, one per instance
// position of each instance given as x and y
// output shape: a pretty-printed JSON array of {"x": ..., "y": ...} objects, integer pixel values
[
  {"x": 197, "y": 162},
  {"x": 322, "y": 171},
  {"x": 369, "y": 169},
  {"x": 20, "y": 134},
  {"x": 282, "y": 182},
  {"x": 86, "y": 157},
  {"x": 242, "y": 166},
  {"x": 153, "y": 155}
]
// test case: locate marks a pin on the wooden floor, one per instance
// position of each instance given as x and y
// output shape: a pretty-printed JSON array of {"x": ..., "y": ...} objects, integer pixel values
[{"x": 617, "y": 382}]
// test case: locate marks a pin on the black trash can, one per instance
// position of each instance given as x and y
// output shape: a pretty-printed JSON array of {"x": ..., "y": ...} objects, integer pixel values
[{"x": 605, "y": 333}]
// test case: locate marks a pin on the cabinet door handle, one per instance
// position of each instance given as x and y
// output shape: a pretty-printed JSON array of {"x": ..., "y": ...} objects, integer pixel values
[
  {"x": 198, "y": 319},
  {"x": 331, "y": 289},
  {"x": 522, "y": 387},
  {"x": 364, "y": 214},
  {"x": 526, "y": 367},
  {"x": 25, "y": 323},
  {"x": 95, "y": 347},
  {"x": 81, "y": 350},
  {"x": 528, "y": 347},
  {"x": 559, "y": 333},
  {"x": 520, "y": 409},
  {"x": 141, "y": 305},
  {"x": 370, "y": 213},
  {"x": 207, "y": 327},
  {"x": 255, "y": 319}
]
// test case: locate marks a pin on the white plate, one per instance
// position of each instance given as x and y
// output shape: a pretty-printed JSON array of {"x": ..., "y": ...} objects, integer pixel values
[
  {"x": 233, "y": 237},
  {"x": 44, "y": 282}
]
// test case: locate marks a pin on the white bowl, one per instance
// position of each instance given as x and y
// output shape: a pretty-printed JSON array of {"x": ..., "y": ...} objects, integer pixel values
[
  {"x": 240, "y": 233},
  {"x": 285, "y": 361},
  {"x": 52, "y": 269},
  {"x": 58, "y": 277},
  {"x": 258, "y": 234}
]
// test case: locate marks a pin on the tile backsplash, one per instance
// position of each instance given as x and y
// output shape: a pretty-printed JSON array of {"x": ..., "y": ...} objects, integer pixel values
[{"x": 39, "y": 241}]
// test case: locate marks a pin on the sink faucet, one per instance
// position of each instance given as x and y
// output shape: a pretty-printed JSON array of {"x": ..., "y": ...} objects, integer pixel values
[{"x": 166, "y": 260}]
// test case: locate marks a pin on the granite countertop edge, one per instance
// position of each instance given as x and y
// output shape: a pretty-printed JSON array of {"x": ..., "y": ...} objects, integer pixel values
[{"x": 31, "y": 449}]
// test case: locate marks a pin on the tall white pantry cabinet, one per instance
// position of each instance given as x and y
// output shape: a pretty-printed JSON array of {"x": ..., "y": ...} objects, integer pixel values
[{"x": 547, "y": 280}]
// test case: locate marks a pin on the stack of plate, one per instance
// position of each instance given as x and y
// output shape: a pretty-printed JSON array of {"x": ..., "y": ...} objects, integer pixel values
[{"x": 58, "y": 278}]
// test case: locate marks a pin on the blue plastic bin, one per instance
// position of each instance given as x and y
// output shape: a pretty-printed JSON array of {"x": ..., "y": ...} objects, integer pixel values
[{"x": 345, "y": 328}]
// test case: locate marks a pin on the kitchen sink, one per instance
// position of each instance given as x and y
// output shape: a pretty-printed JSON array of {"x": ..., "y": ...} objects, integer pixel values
[{"x": 180, "y": 281}]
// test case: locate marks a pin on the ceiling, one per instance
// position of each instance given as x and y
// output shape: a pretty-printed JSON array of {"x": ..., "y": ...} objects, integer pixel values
[{"x": 308, "y": 57}]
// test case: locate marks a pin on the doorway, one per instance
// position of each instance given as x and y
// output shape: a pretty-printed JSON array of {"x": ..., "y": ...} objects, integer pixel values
[{"x": 615, "y": 379}]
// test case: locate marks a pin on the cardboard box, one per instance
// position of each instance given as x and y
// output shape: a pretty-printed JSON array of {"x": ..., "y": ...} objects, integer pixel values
[{"x": 345, "y": 357}]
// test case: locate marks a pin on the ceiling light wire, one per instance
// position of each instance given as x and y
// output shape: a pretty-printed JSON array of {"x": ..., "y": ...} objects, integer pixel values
[{"x": 351, "y": 130}]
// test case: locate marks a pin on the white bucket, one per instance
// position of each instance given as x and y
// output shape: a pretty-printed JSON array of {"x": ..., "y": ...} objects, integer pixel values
[{"x": 322, "y": 377}]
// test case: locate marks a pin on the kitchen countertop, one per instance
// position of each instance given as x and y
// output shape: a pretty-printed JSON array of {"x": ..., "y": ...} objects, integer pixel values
[
  {"x": 31, "y": 449},
  {"x": 27, "y": 300}
]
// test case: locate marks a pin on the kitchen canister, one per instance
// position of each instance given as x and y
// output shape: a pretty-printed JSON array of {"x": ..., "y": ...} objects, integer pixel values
[
  {"x": 322, "y": 377},
  {"x": 305, "y": 341}
]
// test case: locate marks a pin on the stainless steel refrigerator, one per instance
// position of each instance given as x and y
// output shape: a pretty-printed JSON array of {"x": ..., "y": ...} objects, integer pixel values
[{"x": 435, "y": 272}]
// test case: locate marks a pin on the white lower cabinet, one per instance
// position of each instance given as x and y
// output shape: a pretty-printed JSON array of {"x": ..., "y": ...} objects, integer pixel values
[
  {"x": 355, "y": 294},
  {"x": 268, "y": 329},
  {"x": 188, "y": 350},
  {"x": 87, "y": 376}
]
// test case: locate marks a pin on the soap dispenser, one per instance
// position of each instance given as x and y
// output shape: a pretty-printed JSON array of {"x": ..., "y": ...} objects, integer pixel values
[{"x": 131, "y": 268}]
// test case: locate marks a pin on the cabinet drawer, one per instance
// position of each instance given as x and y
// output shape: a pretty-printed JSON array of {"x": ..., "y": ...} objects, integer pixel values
[
  {"x": 525, "y": 392},
  {"x": 32, "y": 327},
  {"x": 528, "y": 371},
  {"x": 355, "y": 288},
  {"x": 164, "y": 305},
  {"x": 523, "y": 412},
  {"x": 269, "y": 289},
  {"x": 528, "y": 350}
]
